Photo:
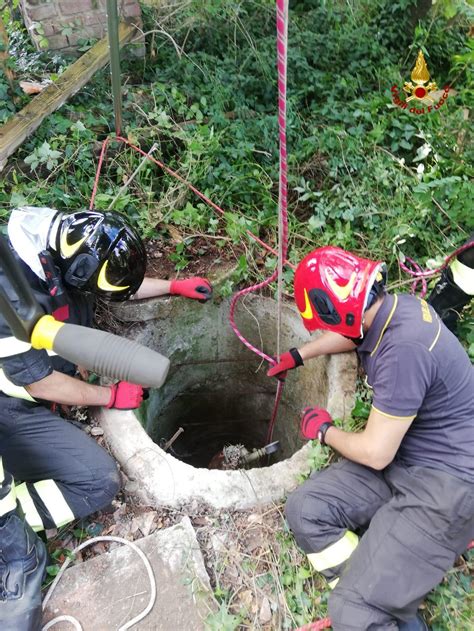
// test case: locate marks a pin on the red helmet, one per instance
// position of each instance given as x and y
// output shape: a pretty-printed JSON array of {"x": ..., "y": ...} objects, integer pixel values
[{"x": 333, "y": 287}]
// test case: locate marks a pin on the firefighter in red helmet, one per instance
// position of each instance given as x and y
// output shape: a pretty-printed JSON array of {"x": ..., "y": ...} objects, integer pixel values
[
  {"x": 62, "y": 474},
  {"x": 385, "y": 522}
]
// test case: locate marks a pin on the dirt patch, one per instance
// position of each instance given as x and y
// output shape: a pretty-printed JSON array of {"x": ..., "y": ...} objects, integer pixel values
[{"x": 200, "y": 255}]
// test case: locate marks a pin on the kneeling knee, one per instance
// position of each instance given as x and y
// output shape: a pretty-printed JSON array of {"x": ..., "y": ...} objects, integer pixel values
[
  {"x": 308, "y": 517},
  {"x": 111, "y": 481},
  {"x": 105, "y": 487}
]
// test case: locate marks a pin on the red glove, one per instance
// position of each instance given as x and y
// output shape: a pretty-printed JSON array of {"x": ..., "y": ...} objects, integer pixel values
[
  {"x": 288, "y": 361},
  {"x": 197, "y": 288},
  {"x": 315, "y": 423},
  {"x": 125, "y": 396}
]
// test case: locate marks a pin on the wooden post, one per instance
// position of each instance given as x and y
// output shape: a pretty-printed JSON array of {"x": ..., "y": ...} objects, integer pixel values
[
  {"x": 25, "y": 122},
  {"x": 114, "y": 48}
]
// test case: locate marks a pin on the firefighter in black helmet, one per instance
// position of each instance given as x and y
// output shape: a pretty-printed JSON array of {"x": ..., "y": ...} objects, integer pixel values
[{"x": 68, "y": 259}]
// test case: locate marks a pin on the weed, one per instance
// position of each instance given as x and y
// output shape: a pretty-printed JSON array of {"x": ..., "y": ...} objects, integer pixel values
[{"x": 363, "y": 174}]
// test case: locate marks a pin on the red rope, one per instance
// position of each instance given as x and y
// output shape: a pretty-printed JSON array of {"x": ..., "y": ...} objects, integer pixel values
[
  {"x": 97, "y": 175},
  {"x": 282, "y": 22},
  {"x": 282, "y": 40},
  {"x": 325, "y": 623},
  {"x": 282, "y": 29},
  {"x": 199, "y": 194}
]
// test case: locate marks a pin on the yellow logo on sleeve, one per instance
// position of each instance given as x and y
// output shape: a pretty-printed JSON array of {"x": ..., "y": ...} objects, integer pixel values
[{"x": 425, "y": 312}]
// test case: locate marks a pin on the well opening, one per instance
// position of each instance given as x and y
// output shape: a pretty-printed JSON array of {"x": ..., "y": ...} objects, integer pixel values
[
  {"x": 218, "y": 391},
  {"x": 232, "y": 407}
]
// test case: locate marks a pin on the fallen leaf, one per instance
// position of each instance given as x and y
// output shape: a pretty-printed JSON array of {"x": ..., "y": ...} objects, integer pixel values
[
  {"x": 143, "y": 522},
  {"x": 265, "y": 614},
  {"x": 32, "y": 87},
  {"x": 175, "y": 235},
  {"x": 255, "y": 518},
  {"x": 246, "y": 599}
]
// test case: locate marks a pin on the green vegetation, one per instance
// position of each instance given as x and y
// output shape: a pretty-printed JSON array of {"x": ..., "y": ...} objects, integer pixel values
[{"x": 364, "y": 174}]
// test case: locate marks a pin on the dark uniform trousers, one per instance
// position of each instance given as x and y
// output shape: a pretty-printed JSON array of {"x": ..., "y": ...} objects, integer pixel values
[
  {"x": 65, "y": 474},
  {"x": 413, "y": 521}
]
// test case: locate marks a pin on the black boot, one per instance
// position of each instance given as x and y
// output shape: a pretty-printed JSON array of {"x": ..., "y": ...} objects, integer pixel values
[
  {"x": 448, "y": 300},
  {"x": 415, "y": 624},
  {"x": 22, "y": 568}
]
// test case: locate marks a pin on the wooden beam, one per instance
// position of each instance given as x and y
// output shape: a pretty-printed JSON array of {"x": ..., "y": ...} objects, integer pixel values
[{"x": 25, "y": 122}]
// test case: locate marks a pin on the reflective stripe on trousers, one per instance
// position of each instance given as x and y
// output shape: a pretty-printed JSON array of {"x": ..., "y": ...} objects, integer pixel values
[
  {"x": 53, "y": 500},
  {"x": 334, "y": 555}
]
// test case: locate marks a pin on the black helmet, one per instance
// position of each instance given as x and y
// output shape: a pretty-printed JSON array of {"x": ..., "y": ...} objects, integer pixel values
[{"x": 99, "y": 252}]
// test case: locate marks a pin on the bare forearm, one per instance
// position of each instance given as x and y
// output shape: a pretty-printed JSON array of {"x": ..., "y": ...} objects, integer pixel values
[
  {"x": 152, "y": 287},
  {"x": 354, "y": 446},
  {"x": 375, "y": 446},
  {"x": 66, "y": 390},
  {"x": 327, "y": 344}
]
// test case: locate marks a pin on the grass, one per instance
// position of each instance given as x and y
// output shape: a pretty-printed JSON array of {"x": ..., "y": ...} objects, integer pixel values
[{"x": 363, "y": 175}]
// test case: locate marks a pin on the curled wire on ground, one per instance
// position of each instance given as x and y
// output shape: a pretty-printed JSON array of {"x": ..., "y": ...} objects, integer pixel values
[{"x": 85, "y": 544}]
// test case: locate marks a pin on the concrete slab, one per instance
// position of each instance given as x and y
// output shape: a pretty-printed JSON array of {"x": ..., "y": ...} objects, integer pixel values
[{"x": 109, "y": 590}]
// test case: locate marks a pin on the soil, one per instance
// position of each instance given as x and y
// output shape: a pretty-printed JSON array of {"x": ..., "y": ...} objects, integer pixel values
[{"x": 203, "y": 254}]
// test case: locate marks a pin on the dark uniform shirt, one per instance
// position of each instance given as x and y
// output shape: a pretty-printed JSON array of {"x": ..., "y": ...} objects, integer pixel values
[
  {"x": 26, "y": 366},
  {"x": 419, "y": 370}
]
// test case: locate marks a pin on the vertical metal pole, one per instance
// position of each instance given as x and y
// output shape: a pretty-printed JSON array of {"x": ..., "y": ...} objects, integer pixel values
[{"x": 114, "y": 51}]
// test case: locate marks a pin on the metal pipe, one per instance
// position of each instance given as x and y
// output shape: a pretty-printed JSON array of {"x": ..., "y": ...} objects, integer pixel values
[{"x": 114, "y": 49}]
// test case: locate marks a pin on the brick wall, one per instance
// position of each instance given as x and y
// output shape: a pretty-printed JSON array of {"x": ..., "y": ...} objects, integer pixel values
[{"x": 64, "y": 24}]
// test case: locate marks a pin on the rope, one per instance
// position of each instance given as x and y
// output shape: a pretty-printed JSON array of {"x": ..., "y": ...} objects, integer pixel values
[
  {"x": 282, "y": 47},
  {"x": 282, "y": 37},
  {"x": 420, "y": 275},
  {"x": 324, "y": 623},
  {"x": 176, "y": 175},
  {"x": 97, "y": 175},
  {"x": 206, "y": 199},
  {"x": 282, "y": 41},
  {"x": 128, "y": 624}
]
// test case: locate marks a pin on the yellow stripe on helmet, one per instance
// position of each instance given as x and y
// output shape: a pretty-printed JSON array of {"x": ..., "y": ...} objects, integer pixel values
[
  {"x": 67, "y": 249},
  {"x": 104, "y": 284},
  {"x": 342, "y": 291},
  {"x": 463, "y": 276},
  {"x": 307, "y": 314}
]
